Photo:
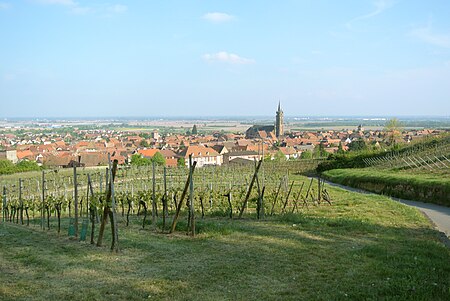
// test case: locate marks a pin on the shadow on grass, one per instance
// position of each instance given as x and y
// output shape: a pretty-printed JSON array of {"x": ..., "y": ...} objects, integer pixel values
[
  {"x": 369, "y": 260},
  {"x": 287, "y": 257}
]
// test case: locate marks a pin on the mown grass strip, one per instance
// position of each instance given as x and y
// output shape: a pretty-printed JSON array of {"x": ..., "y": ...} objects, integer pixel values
[{"x": 421, "y": 187}]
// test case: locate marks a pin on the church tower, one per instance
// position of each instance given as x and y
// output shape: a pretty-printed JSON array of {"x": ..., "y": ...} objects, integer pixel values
[{"x": 279, "y": 131}]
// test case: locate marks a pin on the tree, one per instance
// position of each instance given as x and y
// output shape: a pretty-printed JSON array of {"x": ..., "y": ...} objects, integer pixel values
[
  {"x": 26, "y": 165},
  {"x": 357, "y": 145},
  {"x": 6, "y": 167},
  {"x": 181, "y": 162},
  {"x": 194, "y": 130},
  {"x": 145, "y": 135},
  {"x": 159, "y": 159},
  {"x": 144, "y": 143},
  {"x": 279, "y": 157},
  {"x": 267, "y": 158},
  {"x": 393, "y": 129},
  {"x": 319, "y": 151},
  {"x": 306, "y": 155},
  {"x": 340, "y": 149},
  {"x": 138, "y": 160}
]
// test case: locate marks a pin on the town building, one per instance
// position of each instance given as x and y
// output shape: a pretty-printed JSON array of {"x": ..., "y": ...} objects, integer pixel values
[
  {"x": 271, "y": 132},
  {"x": 203, "y": 155}
]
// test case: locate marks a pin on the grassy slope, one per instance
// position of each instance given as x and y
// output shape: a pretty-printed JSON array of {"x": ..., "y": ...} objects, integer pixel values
[
  {"x": 428, "y": 187},
  {"x": 363, "y": 247}
]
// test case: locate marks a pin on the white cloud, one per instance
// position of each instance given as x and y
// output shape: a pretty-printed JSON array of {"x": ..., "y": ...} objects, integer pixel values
[
  {"x": 427, "y": 35},
  {"x": 226, "y": 57},
  {"x": 379, "y": 7},
  {"x": 218, "y": 17},
  {"x": 4, "y": 5}
]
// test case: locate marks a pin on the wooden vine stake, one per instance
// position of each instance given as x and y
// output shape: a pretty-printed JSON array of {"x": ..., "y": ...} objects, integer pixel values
[
  {"x": 75, "y": 199},
  {"x": 92, "y": 208},
  {"x": 164, "y": 201},
  {"x": 21, "y": 200},
  {"x": 153, "y": 196},
  {"x": 4, "y": 216},
  {"x": 276, "y": 197},
  {"x": 191, "y": 197},
  {"x": 260, "y": 204},
  {"x": 319, "y": 190},
  {"x": 305, "y": 200},
  {"x": 112, "y": 211},
  {"x": 297, "y": 198},
  {"x": 43, "y": 200},
  {"x": 244, "y": 204},
  {"x": 109, "y": 210},
  {"x": 287, "y": 197},
  {"x": 183, "y": 195},
  {"x": 228, "y": 195}
]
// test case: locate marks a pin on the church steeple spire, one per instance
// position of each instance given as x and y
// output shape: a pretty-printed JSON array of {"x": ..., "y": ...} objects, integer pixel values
[{"x": 279, "y": 131}]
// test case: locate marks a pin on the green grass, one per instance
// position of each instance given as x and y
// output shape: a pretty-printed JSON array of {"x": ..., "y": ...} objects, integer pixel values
[
  {"x": 363, "y": 247},
  {"x": 427, "y": 187}
]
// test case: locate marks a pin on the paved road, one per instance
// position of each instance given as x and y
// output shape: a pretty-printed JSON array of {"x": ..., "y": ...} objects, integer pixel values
[{"x": 439, "y": 215}]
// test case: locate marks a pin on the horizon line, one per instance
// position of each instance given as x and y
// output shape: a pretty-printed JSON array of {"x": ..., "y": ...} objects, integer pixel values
[{"x": 229, "y": 117}]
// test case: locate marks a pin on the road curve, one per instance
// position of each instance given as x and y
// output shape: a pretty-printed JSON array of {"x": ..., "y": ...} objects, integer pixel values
[{"x": 439, "y": 215}]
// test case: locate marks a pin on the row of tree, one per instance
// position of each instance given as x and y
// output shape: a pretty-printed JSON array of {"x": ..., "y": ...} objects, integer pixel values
[
  {"x": 158, "y": 158},
  {"x": 7, "y": 167}
]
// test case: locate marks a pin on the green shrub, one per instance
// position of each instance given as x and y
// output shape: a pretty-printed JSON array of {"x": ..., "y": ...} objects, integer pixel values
[{"x": 7, "y": 167}]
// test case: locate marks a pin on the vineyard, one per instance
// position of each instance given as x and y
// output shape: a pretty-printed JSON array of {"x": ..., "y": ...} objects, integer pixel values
[
  {"x": 290, "y": 243},
  {"x": 432, "y": 156},
  {"x": 80, "y": 201}
]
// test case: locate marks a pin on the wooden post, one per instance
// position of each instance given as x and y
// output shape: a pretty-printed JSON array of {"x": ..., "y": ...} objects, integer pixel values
[
  {"x": 101, "y": 183},
  {"x": 153, "y": 196},
  {"x": 92, "y": 209},
  {"x": 318, "y": 188},
  {"x": 287, "y": 197},
  {"x": 20, "y": 200},
  {"x": 4, "y": 204},
  {"x": 180, "y": 202},
  {"x": 259, "y": 201},
  {"x": 441, "y": 162},
  {"x": 307, "y": 192},
  {"x": 43, "y": 199},
  {"x": 75, "y": 200},
  {"x": 65, "y": 198},
  {"x": 112, "y": 211},
  {"x": 164, "y": 200},
  {"x": 259, "y": 209},
  {"x": 262, "y": 158},
  {"x": 107, "y": 208},
  {"x": 201, "y": 204},
  {"x": 191, "y": 197},
  {"x": 244, "y": 205},
  {"x": 230, "y": 204},
  {"x": 298, "y": 196},
  {"x": 276, "y": 196}
]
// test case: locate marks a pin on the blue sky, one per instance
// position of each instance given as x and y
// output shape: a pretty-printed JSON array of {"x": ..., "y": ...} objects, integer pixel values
[{"x": 218, "y": 58}]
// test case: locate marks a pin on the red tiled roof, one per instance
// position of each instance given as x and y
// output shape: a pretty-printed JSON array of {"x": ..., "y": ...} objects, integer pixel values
[
  {"x": 25, "y": 154},
  {"x": 148, "y": 152},
  {"x": 198, "y": 151}
]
